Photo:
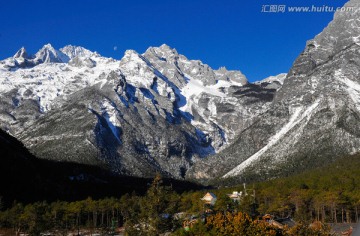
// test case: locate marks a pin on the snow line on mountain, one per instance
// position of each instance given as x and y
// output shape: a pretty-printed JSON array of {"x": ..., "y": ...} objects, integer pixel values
[{"x": 274, "y": 139}]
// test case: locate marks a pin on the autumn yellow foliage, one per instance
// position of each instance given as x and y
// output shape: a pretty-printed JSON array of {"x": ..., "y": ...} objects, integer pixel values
[{"x": 237, "y": 224}]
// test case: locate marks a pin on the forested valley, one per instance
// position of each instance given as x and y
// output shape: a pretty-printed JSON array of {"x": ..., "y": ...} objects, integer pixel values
[{"x": 325, "y": 195}]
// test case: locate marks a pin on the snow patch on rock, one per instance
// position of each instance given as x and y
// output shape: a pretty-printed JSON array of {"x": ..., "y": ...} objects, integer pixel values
[{"x": 298, "y": 115}]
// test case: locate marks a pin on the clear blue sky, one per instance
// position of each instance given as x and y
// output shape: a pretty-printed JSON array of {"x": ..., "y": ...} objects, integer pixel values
[{"x": 231, "y": 33}]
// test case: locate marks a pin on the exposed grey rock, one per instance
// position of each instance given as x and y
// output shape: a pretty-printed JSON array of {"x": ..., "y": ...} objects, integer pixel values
[
  {"x": 81, "y": 62},
  {"x": 314, "y": 117},
  {"x": 235, "y": 76}
]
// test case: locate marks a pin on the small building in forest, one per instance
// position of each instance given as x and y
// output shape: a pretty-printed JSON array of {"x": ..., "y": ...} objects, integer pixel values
[
  {"x": 235, "y": 196},
  {"x": 209, "y": 199}
]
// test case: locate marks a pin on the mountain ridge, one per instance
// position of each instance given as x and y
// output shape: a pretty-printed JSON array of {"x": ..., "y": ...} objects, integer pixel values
[{"x": 88, "y": 108}]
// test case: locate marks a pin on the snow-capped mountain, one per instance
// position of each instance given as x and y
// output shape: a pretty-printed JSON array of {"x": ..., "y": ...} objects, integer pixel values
[
  {"x": 314, "y": 117},
  {"x": 161, "y": 112},
  {"x": 156, "y": 111}
]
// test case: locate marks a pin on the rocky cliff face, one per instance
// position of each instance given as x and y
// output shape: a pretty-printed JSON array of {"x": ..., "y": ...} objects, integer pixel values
[
  {"x": 147, "y": 113},
  {"x": 314, "y": 117}
]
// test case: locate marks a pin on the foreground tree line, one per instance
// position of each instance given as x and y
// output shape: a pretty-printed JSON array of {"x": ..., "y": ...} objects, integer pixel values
[
  {"x": 62, "y": 217},
  {"x": 152, "y": 214},
  {"x": 329, "y": 195}
]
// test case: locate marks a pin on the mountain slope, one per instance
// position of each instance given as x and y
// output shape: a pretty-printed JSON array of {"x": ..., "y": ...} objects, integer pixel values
[
  {"x": 314, "y": 117},
  {"x": 27, "y": 179}
]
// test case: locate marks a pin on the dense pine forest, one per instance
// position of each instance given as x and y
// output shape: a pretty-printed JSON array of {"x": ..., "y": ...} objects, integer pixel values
[{"x": 326, "y": 195}]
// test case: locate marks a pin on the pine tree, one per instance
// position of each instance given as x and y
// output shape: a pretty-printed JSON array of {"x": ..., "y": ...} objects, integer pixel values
[
  {"x": 156, "y": 206},
  {"x": 1, "y": 203}
]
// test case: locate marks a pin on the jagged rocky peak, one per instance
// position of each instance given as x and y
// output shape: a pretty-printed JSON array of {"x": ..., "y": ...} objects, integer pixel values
[
  {"x": 48, "y": 54},
  {"x": 342, "y": 32},
  {"x": 133, "y": 61},
  {"x": 130, "y": 54},
  {"x": 231, "y": 75},
  {"x": 175, "y": 65},
  {"x": 166, "y": 60},
  {"x": 168, "y": 49},
  {"x": 76, "y": 51},
  {"x": 340, "y": 37},
  {"x": 79, "y": 56},
  {"x": 137, "y": 69},
  {"x": 163, "y": 53},
  {"x": 21, "y": 54},
  {"x": 21, "y": 59}
]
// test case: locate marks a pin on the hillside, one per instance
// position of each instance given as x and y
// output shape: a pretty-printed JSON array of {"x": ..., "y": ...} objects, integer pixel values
[{"x": 27, "y": 179}]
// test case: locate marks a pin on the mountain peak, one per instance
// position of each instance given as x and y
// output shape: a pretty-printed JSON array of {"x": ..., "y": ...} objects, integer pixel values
[
  {"x": 166, "y": 47},
  {"x": 222, "y": 69},
  {"x": 164, "y": 51},
  {"x": 76, "y": 51},
  {"x": 130, "y": 52},
  {"x": 340, "y": 33},
  {"x": 21, "y": 53},
  {"x": 49, "y": 46},
  {"x": 48, "y": 54},
  {"x": 132, "y": 59},
  {"x": 131, "y": 55}
]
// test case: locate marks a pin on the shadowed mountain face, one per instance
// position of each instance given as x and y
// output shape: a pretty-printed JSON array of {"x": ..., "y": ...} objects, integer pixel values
[
  {"x": 314, "y": 118},
  {"x": 25, "y": 178}
]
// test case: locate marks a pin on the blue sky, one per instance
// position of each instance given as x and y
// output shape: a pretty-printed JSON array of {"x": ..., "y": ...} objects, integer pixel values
[{"x": 230, "y": 33}]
